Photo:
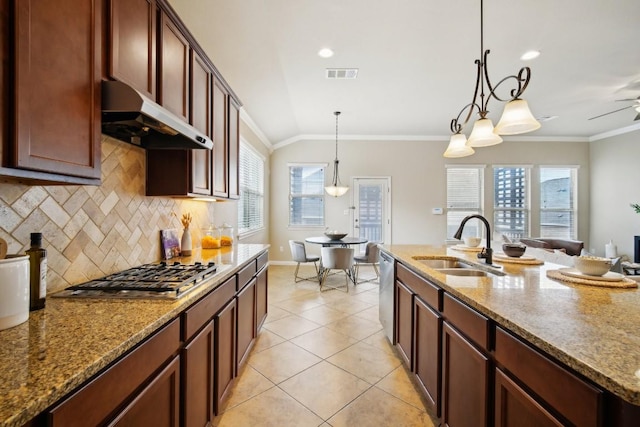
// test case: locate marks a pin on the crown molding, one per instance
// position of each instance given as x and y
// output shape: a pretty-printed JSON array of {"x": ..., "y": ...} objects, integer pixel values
[
  {"x": 615, "y": 132},
  {"x": 246, "y": 118}
]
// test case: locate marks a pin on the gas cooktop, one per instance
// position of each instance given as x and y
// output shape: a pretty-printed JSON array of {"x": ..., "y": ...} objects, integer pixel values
[{"x": 146, "y": 281}]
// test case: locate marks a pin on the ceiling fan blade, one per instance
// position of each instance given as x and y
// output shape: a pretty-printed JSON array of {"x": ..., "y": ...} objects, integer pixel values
[
  {"x": 637, "y": 118},
  {"x": 611, "y": 112},
  {"x": 628, "y": 99}
]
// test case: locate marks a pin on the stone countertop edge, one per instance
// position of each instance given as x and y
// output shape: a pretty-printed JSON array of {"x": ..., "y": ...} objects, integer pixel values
[
  {"x": 71, "y": 340},
  {"x": 593, "y": 330}
]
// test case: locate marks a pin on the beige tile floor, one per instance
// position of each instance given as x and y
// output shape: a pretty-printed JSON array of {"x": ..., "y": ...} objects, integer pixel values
[{"x": 321, "y": 360}]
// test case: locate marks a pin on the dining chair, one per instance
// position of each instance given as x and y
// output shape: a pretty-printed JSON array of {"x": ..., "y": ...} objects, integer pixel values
[
  {"x": 299, "y": 255},
  {"x": 337, "y": 258},
  {"x": 370, "y": 257}
]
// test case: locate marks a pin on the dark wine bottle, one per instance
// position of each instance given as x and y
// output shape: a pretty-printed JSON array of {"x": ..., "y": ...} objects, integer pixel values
[{"x": 37, "y": 273}]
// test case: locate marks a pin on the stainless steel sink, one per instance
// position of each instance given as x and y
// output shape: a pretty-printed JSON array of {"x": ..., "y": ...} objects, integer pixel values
[{"x": 455, "y": 267}]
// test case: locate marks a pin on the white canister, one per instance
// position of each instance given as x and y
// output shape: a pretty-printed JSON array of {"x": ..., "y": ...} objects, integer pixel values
[
  {"x": 14, "y": 290},
  {"x": 610, "y": 250}
]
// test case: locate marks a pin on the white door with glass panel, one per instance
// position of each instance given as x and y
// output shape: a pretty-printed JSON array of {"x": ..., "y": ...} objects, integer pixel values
[{"x": 371, "y": 209}]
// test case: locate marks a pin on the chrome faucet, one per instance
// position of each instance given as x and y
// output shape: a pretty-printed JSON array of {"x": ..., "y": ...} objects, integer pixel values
[{"x": 487, "y": 253}]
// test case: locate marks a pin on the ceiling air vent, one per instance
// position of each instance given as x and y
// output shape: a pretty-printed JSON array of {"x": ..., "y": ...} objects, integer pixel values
[{"x": 342, "y": 73}]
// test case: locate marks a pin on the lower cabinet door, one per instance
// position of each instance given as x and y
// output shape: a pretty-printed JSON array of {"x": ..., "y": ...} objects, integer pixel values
[
  {"x": 404, "y": 321},
  {"x": 427, "y": 361},
  {"x": 261, "y": 297},
  {"x": 225, "y": 351},
  {"x": 158, "y": 404},
  {"x": 246, "y": 321},
  {"x": 516, "y": 408},
  {"x": 197, "y": 379},
  {"x": 465, "y": 382}
]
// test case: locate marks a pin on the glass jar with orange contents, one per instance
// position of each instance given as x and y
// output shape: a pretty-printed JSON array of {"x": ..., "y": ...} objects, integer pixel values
[
  {"x": 211, "y": 238},
  {"x": 226, "y": 235}
]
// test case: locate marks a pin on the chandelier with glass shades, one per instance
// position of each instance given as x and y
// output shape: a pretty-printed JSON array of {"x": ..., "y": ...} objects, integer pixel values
[
  {"x": 336, "y": 189},
  {"x": 516, "y": 117}
]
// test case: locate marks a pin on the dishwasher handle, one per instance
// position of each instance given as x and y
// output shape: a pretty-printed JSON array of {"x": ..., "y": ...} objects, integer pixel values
[{"x": 385, "y": 257}]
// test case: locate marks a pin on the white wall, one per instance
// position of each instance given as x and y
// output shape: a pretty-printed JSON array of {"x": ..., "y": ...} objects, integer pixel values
[
  {"x": 615, "y": 184},
  {"x": 417, "y": 170}
]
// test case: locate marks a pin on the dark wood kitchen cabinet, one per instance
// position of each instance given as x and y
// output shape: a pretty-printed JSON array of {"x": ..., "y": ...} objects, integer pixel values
[
  {"x": 198, "y": 365},
  {"x": 220, "y": 140},
  {"x": 420, "y": 329},
  {"x": 158, "y": 404},
  {"x": 132, "y": 383},
  {"x": 201, "y": 103},
  {"x": 55, "y": 102},
  {"x": 5, "y": 37},
  {"x": 129, "y": 62},
  {"x": 404, "y": 322},
  {"x": 428, "y": 351},
  {"x": 173, "y": 68},
  {"x": 246, "y": 321},
  {"x": 190, "y": 169},
  {"x": 262, "y": 284},
  {"x": 225, "y": 351},
  {"x": 567, "y": 400},
  {"x": 234, "y": 149},
  {"x": 466, "y": 365},
  {"x": 465, "y": 381}
]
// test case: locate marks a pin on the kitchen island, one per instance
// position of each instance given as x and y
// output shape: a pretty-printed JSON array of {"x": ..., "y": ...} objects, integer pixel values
[
  {"x": 588, "y": 333},
  {"x": 73, "y": 341}
]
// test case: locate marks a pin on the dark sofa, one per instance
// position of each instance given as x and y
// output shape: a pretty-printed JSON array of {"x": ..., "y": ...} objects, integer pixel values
[{"x": 571, "y": 247}]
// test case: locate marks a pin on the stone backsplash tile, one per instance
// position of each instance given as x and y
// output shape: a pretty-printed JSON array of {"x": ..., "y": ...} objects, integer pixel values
[{"x": 90, "y": 231}]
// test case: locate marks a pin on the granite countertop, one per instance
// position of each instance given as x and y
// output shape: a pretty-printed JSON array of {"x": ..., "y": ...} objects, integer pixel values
[
  {"x": 594, "y": 330},
  {"x": 69, "y": 341}
]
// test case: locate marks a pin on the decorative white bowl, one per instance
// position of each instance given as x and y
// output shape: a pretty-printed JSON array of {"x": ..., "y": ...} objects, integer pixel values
[
  {"x": 335, "y": 235},
  {"x": 472, "y": 242},
  {"x": 591, "y": 265}
]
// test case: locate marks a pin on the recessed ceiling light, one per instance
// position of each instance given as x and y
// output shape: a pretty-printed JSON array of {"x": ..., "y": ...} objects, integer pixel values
[
  {"x": 325, "y": 53},
  {"x": 532, "y": 54}
]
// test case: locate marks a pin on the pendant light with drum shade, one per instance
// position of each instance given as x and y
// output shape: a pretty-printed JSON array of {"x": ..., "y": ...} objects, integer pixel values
[
  {"x": 336, "y": 189},
  {"x": 516, "y": 117}
]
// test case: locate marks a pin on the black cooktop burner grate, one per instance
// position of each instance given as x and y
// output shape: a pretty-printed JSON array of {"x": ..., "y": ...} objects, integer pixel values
[{"x": 176, "y": 278}]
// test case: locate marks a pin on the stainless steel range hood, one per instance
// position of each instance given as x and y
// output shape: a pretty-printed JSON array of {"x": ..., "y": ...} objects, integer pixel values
[{"x": 130, "y": 116}]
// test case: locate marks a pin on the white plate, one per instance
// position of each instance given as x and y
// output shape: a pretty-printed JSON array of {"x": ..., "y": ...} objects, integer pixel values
[{"x": 609, "y": 276}]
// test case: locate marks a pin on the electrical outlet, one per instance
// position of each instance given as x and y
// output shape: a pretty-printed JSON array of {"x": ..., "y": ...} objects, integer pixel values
[
  {"x": 346, "y": 211},
  {"x": 281, "y": 249}
]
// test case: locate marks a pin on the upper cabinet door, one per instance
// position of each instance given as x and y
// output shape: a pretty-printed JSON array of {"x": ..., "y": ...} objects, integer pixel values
[
  {"x": 174, "y": 69},
  {"x": 220, "y": 141},
  {"x": 234, "y": 149},
  {"x": 132, "y": 44},
  {"x": 57, "y": 86},
  {"x": 201, "y": 92}
]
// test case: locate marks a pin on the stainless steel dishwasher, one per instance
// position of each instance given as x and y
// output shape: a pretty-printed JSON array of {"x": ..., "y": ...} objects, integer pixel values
[{"x": 386, "y": 304}]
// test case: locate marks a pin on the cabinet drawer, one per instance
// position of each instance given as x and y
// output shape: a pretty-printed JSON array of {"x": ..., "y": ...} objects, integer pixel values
[
  {"x": 246, "y": 274},
  {"x": 100, "y": 397},
  {"x": 428, "y": 292},
  {"x": 576, "y": 400},
  {"x": 262, "y": 260},
  {"x": 202, "y": 311},
  {"x": 468, "y": 321}
]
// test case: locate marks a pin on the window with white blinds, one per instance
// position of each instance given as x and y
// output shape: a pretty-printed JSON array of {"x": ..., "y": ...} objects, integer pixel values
[
  {"x": 306, "y": 195},
  {"x": 251, "y": 202},
  {"x": 511, "y": 201},
  {"x": 464, "y": 197},
  {"x": 558, "y": 204}
]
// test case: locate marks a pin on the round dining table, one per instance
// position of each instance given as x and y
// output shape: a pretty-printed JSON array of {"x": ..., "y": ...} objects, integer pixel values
[{"x": 345, "y": 241}]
